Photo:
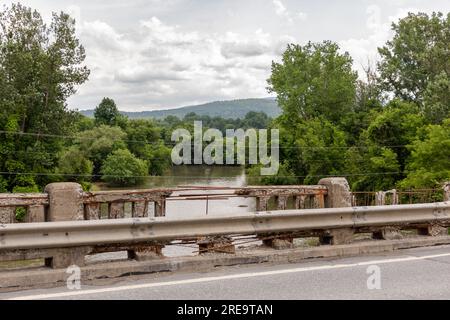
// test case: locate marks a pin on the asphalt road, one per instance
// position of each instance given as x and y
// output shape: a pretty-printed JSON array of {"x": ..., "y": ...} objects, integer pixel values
[{"x": 421, "y": 273}]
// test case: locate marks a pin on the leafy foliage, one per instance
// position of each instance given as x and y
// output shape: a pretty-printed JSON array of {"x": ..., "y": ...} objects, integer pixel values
[
  {"x": 40, "y": 67},
  {"x": 392, "y": 129},
  {"x": 314, "y": 80},
  {"x": 417, "y": 60},
  {"x": 107, "y": 113},
  {"x": 429, "y": 165},
  {"x": 122, "y": 168}
]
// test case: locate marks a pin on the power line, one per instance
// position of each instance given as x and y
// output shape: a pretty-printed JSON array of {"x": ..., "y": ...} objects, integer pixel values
[
  {"x": 18, "y": 152},
  {"x": 173, "y": 144},
  {"x": 196, "y": 177}
]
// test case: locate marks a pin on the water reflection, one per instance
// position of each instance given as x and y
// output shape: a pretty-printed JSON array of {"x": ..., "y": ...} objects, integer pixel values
[{"x": 184, "y": 176}]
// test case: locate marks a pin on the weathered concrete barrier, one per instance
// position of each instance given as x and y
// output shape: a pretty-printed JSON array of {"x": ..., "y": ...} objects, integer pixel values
[
  {"x": 66, "y": 242},
  {"x": 64, "y": 202}
]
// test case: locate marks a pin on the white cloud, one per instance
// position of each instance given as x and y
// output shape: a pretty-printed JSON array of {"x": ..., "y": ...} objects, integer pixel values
[
  {"x": 282, "y": 11},
  {"x": 166, "y": 53},
  {"x": 162, "y": 65},
  {"x": 364, "y": 50},
  {"x": 302, "y": 16}
]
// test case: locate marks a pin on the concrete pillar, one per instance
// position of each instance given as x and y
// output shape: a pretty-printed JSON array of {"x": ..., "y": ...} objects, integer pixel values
[
  {"x": 66, "y": 257},
  {"x": 387, "y": 233},
  {"x": 262, "y": 203},
  {"x": 149, "y": 252},
  {"x": 319, "y": 201},
  {"x": 380, "y": 198},
  {"x": 300, "y": 202},
  {"x": 337, "y": 236},
  {"x": 433, "y": 230},
  {"x": 66, "y": 201},
  {"x": 447, "y": 191},
  {"x": 140, "y": 209},
  {"x": 285, "y": 242},
  {"x": 282, "y": 202},
  {"x": 220, "y": 244},
  {"x": 160, "y": 207},
  {"x": 339, "y": 194},
  {"x": 65, "y": 204},
  {"x": 7, "y": 215},
  {"x": 116, "y": 210},
  {"x": 394, "y": 199},
  {"x": 36, "y": 214},
  {"x": 93, "y": 211}
]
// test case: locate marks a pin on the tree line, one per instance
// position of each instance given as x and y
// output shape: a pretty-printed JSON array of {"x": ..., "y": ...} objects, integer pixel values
[{"x": 391, "y": 129}]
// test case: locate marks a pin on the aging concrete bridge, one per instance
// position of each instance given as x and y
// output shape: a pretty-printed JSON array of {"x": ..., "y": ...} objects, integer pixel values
[{"x": 66, "y": 231}]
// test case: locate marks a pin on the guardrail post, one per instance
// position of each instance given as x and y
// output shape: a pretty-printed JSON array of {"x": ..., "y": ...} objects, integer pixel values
[
  {"x": 65, "y": 204},
  {"x": 338, "y": 196}
]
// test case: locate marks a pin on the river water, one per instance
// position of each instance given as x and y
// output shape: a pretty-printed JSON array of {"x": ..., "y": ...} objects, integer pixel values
[
  {"x": 211, "y": 176},
  {"x": 185, "y": 176}
]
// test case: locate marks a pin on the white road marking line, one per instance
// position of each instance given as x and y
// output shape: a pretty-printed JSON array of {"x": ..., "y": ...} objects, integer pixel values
[{"x": 219, "y": 278}]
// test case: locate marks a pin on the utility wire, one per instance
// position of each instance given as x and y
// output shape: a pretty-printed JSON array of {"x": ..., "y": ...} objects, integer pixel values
[
  {"x": 195, "y": 177},
  {"x": 173, "y": 144},
  {"x": 18, "y": 152}
]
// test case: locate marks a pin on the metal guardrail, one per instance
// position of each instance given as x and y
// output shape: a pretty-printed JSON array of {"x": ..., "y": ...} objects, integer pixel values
[{"x": 86, "y": 233}]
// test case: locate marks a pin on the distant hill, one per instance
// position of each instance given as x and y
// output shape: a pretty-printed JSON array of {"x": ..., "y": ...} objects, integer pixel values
[{"x": 226, "y": 109}]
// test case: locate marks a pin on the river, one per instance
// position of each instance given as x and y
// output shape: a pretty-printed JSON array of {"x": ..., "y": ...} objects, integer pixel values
[{"x": 183, "y": 176}]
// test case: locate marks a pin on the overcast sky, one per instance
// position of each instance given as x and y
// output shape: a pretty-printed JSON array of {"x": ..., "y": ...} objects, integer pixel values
[{"x": 155, "y": 54}]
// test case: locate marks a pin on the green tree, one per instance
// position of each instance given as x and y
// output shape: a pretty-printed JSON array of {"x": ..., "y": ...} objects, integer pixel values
[
  {"x": 140, "y": 133},
  {"x": 96, "y": 144},
  {"x": 417, "y": 57},
  {"x": 394, "y": 127},
  {"x": 429, "y": 165},
  {"x": 158, "y": 157},
  {"x": 107, "y": 113},
  {"x": 437, "y": 99},
  {"x": 284, "y": 176},
  {"x": 369, "y": 99},
  {"x": 40, "y": 67},
  {"x": 74, "y": 166},
  {"x": 312, "y": 149},
  {"x": 256, "y": 120},
  {"x": 371, "y": 168},
  {"x": 314, "y": 80},
  {"x": 122, "y": 168}
]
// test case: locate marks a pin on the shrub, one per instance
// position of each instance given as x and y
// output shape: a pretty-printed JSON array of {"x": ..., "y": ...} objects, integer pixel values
[{"x": 122, "y": 168}]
